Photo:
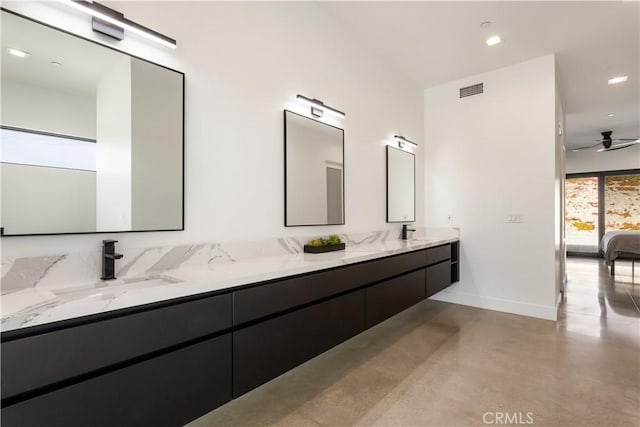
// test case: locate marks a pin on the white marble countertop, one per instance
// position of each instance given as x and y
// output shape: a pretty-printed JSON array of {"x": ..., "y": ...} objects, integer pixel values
[{"x": 41, "y": 305}]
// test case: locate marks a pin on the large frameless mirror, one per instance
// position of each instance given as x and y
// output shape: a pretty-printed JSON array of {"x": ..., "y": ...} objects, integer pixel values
[
  {"x": 314, "y": 172},
  {"x": 91, "y": 138}
]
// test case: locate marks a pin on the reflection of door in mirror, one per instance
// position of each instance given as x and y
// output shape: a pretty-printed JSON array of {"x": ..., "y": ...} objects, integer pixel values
[
  {"x": 334, "y": 195},
  {"x": 314, "y": 172},
  {"x": 92, "y": 138},
  {"x": 400, "y": 185}
]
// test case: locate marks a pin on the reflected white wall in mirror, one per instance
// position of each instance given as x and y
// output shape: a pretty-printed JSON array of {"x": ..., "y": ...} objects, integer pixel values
[
  {"x": 314, "y": 172},
  {"x": 129, "y": 109},
  {"x": 401, "y": 205}
]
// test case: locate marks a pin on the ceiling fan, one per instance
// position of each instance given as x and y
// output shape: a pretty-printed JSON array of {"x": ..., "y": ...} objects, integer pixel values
[{"x": 608, "y": 143}]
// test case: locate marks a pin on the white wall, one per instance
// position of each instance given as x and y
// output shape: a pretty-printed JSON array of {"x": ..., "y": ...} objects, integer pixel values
[
  {"x": 113, "y": 150},
  {"x": 244, "y": 64},
  {"x": 488, "y": 156},
  {"x": 42, "y": 199},
  {"x": 592, "y": 161},
  {"x": 37, "y": 108}
]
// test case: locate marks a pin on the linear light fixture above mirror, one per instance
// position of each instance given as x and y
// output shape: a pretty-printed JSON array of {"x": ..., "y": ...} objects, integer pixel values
[
  {"x": 117, "y": 19},
  {"x": 402, "y": 141},
  {"x": 318, "y": 107}
]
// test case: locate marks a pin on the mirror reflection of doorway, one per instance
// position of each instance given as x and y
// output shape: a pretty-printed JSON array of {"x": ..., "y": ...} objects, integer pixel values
[{"x": 334, "y": 196}]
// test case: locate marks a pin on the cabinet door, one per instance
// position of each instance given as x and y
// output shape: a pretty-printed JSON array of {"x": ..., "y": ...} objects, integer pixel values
[
  {"x": 41, "y": 360},
  {"x": 438, "y": 277},
  {"x": 392, "y": 296},
  {"x": 439, "y": 253},
  {"x": 263, "y": 351},
  {"x": 169, "y": 390}
]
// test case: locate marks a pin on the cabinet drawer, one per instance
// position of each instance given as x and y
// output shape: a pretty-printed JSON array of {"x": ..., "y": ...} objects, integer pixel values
[
  {"x": 439, "y": 253},
  {"x": 438, "y": 277},
  {"x": 254, "y": 303},
  {"x": 263, "y": 351},
  {"x": 36, "y": 361},
  {"x": 169, "y": 390},
  {"x": 391, "y": 297}
]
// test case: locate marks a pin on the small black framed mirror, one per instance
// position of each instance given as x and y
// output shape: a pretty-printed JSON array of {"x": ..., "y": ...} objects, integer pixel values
[
  {"x": 314, "y": 172},
  {"x": 401, "y": 185}
]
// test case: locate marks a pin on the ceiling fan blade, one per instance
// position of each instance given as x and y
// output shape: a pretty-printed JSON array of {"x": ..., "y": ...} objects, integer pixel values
[
  {"x": 626, "y": 139},
  {"x": 587, "y": 147},
  {"x": 619, "y": 146}
]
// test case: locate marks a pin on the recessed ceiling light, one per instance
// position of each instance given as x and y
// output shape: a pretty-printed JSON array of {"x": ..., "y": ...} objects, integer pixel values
[
  {"x": 610, "y": 115},
  {"x": 17, "y": 52},
  {"x": 493, "y": 40},
  {"x": 619, "y": 79}
]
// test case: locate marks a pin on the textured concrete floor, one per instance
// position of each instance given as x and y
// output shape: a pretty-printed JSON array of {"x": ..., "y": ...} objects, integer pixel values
[{"x": 440, "y": 364}]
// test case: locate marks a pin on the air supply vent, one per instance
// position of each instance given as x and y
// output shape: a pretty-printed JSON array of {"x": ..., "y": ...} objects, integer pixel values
[{"x": 471, "y": 90}]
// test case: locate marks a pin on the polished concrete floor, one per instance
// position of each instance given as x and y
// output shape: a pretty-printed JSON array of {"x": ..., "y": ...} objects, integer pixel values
[{"x": 440, "y": 364}]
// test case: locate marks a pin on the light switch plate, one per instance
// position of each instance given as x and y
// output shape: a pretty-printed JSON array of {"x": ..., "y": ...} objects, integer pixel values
[{"x": 515, "y": 218}]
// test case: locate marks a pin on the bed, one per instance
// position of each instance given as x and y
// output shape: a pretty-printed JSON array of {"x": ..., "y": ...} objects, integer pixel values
[{"x": 615, "y": 244}]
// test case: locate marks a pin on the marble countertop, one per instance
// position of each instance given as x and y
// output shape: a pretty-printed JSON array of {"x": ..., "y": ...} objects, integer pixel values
[{"x": 41, "y": 305}]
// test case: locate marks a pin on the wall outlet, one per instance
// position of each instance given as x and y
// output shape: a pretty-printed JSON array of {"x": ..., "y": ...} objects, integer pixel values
[
  {"x": 515, "y": 218},
  {"x": 450, "y": 219}
]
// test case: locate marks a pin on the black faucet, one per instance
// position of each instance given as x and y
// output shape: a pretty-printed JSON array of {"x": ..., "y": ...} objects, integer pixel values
[
  {"x": 109, "y": 257},
  {"x": 404, "y": 231}
]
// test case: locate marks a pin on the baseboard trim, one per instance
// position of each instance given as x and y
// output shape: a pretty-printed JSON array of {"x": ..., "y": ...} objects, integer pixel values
[{"x": 498, "y": 304}]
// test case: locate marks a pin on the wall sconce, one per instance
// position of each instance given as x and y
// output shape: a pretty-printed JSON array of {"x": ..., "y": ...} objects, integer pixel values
[
  {"x": 318, "y": 107},
  {"x": 113, "y": 23},
  {"x": 402, "y": 141}
]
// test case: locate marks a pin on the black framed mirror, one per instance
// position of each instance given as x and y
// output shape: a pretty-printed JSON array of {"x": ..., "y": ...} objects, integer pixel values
[
  {"x": 401, "y": 185},
  {"x": 92, "y": 138},
  {"x": 314, "y": 172}
]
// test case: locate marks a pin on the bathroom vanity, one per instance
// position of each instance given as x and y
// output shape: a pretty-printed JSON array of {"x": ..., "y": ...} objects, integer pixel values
[{"x": 171, "y": 361}]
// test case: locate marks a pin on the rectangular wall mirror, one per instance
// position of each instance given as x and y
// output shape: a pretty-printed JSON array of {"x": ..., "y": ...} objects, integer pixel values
[
  {"x": 92, "y": 138},
  {"x": 314, "y": 172},
  {"x": 401, "y": 186}
]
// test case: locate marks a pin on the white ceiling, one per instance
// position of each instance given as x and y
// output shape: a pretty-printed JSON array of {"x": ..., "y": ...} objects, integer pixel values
[
  {"x": 437, "y": 42},
  {"x": 83, "y": 64}
]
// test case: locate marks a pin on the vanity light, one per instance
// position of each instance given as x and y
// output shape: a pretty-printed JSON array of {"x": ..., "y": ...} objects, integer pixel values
[
  {"x": 493, "y": 40},
  {"x": 117, "y": 19},
  {"x": 616, "y": 80},
  {"x": 318, "y": 107},
  {"x": 402, "y": 141},
  {"x": 17, "y": 52}
]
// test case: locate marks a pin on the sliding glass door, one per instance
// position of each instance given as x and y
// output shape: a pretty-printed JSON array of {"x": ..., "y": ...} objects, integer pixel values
[
  {"x": 596, "y": 203},
  {"x": 582, "y": 231}
]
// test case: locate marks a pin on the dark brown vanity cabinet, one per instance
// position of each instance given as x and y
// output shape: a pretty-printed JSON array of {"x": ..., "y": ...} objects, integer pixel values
[
  {"x": 267, "y": 349},
  {"x": 157, "y": 365},
  {"x": 168, "y": 390},
  {"x": 393, "y": 296},
  {"x": 167, "y": 363}
]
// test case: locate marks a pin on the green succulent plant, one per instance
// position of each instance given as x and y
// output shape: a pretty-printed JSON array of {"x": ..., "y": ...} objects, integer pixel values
[{"x": 334, "y": 239}]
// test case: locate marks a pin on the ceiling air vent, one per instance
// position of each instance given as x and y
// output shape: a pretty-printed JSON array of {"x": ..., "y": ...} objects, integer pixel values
[{"x": 471, "y": 90}]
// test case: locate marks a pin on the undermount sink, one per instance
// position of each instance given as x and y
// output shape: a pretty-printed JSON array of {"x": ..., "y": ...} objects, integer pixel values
[{"x": 109, "y": 287}]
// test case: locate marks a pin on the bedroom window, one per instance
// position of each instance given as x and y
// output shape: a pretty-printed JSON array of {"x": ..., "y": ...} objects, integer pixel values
[{"x": 598, "y": 202}]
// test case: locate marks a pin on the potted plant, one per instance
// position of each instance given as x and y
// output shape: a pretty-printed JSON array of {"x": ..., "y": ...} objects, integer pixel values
[{"x": 322, "y": 244}]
